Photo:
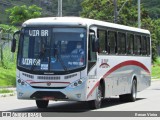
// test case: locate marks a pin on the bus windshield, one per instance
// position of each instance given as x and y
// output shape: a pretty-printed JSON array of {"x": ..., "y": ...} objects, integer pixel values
[{"x": 52, "y": 49}]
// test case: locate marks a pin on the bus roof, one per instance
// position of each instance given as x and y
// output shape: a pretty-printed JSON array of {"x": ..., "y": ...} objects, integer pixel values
[{"x": 78, "y": 21}]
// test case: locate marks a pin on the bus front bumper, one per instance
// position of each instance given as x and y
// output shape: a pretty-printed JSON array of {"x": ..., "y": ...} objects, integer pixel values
[{"x": 68, "y": 93}]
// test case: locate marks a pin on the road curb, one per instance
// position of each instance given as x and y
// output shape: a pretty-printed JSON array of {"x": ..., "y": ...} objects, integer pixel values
[{"x": 154, "y": 80}]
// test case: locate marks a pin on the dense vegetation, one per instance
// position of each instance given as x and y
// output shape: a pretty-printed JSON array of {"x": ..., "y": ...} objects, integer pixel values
[
  {"x": 18, "y": 14},
  {"x": 153, "y": 7},
  {"x": 70, "y": 7},
  {"x": 49, "y": 7},
  {"x": 128, "y": 15},
  {"x": 156, "y": 69}
]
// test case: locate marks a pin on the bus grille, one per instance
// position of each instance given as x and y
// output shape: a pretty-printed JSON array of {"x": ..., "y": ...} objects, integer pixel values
[
  {"x": 48, "y": 77},
  {"x": 40, "y": 87}
]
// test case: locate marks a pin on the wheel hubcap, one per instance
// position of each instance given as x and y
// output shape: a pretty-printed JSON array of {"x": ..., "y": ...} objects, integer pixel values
[
  {"x": 99, "y": 97},
  {"x": 134, "y": 91}
]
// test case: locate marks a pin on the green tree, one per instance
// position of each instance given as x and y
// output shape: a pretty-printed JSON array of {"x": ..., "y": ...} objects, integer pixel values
[
  {"x": 155, "y": 37},
  {"x": 71, "y": 7},
  {"x": 153, "y": 7},
  {"x": 129, "y": 15},
  {"x": 18, "y": 14},
  {"x": 104, "y": 10},
  {"x": 98, "y": 9},
  {"x": 34, "y": 11},
  {"x": 151, "y": 25},
  {"x": 6, "y": 28}
]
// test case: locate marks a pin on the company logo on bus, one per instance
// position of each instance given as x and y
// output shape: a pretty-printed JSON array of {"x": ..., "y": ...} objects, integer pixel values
[
  {"x": 48, "y": 84},
  {"x": 104, "y": 63}
]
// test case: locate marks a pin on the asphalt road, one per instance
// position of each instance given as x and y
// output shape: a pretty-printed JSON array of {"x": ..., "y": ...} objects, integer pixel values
[{"x": 147, "y": 100}]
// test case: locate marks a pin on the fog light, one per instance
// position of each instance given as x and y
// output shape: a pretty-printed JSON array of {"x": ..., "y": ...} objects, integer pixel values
[
  {"x": 78, "y": 95},
  {"x": 20, "y": 94}
]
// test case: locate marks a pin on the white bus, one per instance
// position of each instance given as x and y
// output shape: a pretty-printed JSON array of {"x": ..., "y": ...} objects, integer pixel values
[{"x": 79, "y": 59}]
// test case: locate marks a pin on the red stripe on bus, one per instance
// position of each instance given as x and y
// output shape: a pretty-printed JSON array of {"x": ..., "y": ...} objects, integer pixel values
[
  {"x": 97, "y": 84},
  {"x": 126, "y": 63}
]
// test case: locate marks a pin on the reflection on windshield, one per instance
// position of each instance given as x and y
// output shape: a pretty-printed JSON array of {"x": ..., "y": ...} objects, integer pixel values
[{"x": 65, "y": 49}]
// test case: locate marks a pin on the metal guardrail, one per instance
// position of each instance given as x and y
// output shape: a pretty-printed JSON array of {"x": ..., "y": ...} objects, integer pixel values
[
  {"x": 5, "y": 53},
  {"x": 5, "y": 49}
]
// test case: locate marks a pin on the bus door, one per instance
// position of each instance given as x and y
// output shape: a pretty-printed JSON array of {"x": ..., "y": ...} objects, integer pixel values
[{"x": 92, "y": 55}]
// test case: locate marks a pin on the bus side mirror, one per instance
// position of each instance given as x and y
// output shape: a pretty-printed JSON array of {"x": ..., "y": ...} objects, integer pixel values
[{"x": 13, "y": 45}]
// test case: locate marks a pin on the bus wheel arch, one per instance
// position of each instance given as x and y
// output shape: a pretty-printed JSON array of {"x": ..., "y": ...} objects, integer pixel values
[
  {"x": 100, "y": 94},
  {"x": 102, "y": 83},
  {"x": 135, "y": 78},
  {"x": 131, "y": 97}
]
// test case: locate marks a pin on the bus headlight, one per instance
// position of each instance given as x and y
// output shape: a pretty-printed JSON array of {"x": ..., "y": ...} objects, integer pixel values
[
  {"x": 21, "y": 82},
  {"x": 80, "y": 81},
  {"x": 77, "y": 83}
]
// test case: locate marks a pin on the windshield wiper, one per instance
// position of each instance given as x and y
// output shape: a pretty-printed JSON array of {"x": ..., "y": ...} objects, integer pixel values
[
  {"x": 41, "y": 54},
  {"x": 60, "y": 60}
]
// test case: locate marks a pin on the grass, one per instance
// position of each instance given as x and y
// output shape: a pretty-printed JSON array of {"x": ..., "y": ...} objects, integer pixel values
[
  {"x": 5, "y": 91},
  {"x": 156, "y": 69},
  {"x": 7, "y": 77},
  {"x": 7, "y": 69}
]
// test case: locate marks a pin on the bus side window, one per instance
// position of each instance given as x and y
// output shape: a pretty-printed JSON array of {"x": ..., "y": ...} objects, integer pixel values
[
  {"x": 144, "y": 44},
  {"x": 121, "y": 43},
  {"x": 137, "y": 45},
  {"x": 148, "y": 46},
  {"x": 130, "y": 43},
  {"x": 102, "y": 41},
  {"x": 111, "y": 42}
]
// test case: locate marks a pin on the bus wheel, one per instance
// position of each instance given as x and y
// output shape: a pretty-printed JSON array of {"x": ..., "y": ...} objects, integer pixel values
[
  {"x": 96, "y": 104},
  {"x": 42, "y": 103},
  {"x": 132, "y": 96}
]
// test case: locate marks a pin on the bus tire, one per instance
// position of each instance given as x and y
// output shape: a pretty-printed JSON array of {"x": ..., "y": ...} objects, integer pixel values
[
  {"x": 123, "y": 98},
  {"x": 96, "y": 104},
  {"x": 132, "y": 96},
  {"x": 42, "y": 103}
]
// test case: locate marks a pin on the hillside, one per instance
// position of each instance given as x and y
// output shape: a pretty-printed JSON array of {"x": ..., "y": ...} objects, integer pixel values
[
  {"x": 153, "y": 7},
  {"x": 49, "y": 7},
  {"x": 70, "y": 7}
]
